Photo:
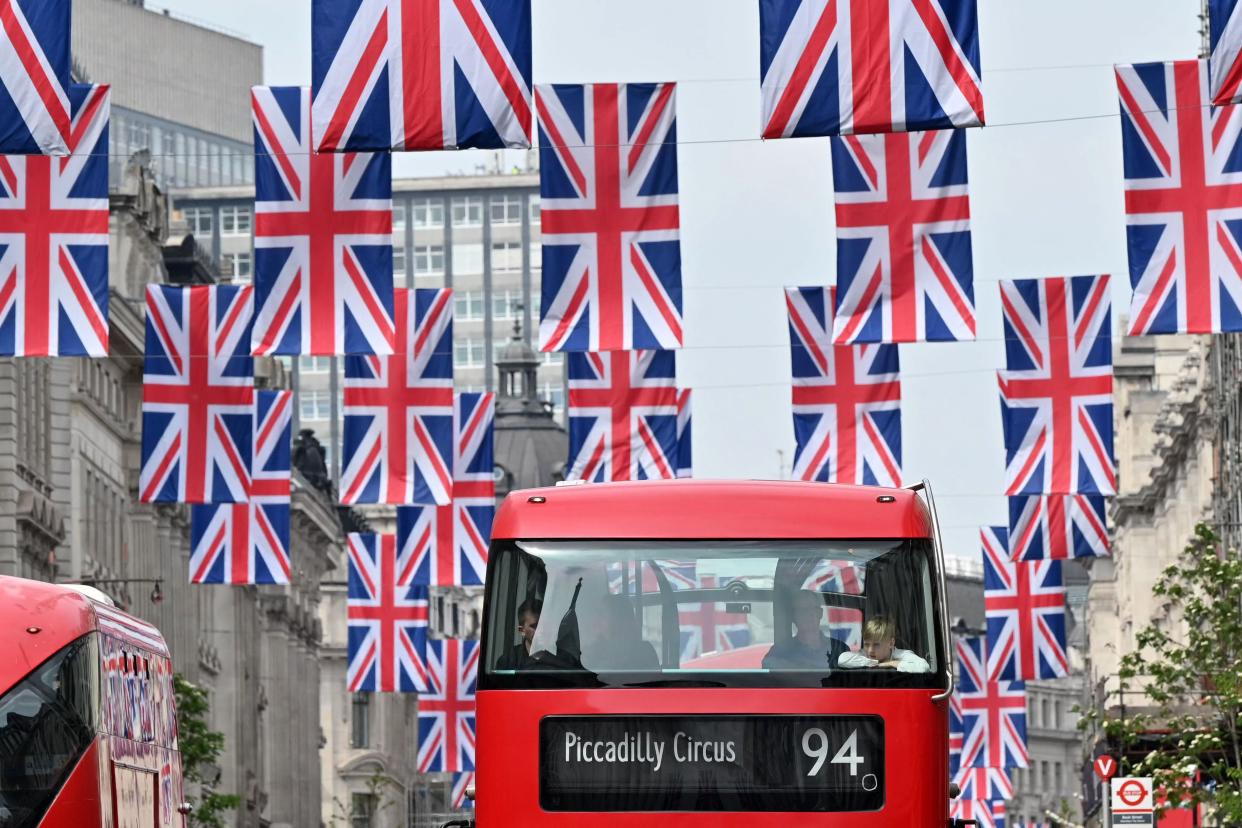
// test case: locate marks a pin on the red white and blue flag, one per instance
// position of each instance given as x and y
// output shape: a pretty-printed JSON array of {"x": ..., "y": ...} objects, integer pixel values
[
  {"x": 846, "y": 399},
  {"x": 35, "y": 108},
  {"x": 707, "y": 626},
  {"x": 993, "y": 712},
  {"x": 461, "y": 783},
  {"x": 685, "y": 440},
  {"x": 1057, "y": 527},
  {"x": 197, "y": 395},
  {"x": 398, "y": 409},
  {"x": 446, "y": 707},
  {"x": 387, "y": 620},
  {"x": 248, "y": 543},
  {"x": 421, "y": 74},
  {"x": 322, "y": 237},
  {"x": 1183, "y": 200},
  {"x": 904, "y": 264},
  {"x": 622, "y": 416},
  {"x": 1225, "y": 63},
  {"x": 1024, "y": 602},
  {"x": 957, "y": 734},
  {"x": 986, "y": 784},
  {"x": 1057, "y": 389},
  {"x": 447, "y": 545},
  {"x": 983, "y": 813},
  {"x": 835, "y": 67},
  {"x": 610, "y": 220},
  {"x": 834, "y": 576},
  {"x": 54, "y": 240}
]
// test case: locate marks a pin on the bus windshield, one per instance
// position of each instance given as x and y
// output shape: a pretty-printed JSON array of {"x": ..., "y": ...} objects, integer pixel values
[{"x": 711, "y": 613}]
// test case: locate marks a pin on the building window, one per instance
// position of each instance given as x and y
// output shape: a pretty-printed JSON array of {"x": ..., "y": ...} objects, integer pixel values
[
  {"x": 398, "y": 216},
  {"x": 553, "y": 392},
  {"x": 428, "y": 212},
  {"x": 236, "y": 265},
  {"x": 360, "y": 720},
  {"x": 234, "y": 221},
  {"x": 199, "y": 220},
  {"x": 467, "y": 305},
  {"x": 398, "y": 259},
  {"x": 467, "y": 258},
  {"x": 536, "y": 256},
  {"x": 551, "y": 357},
  {"x": 506, "y": 304},
  {"x": 315, "y": 364},
  {"x": 506, "y": 256},
  {"x": 534, "y": 209},
  {"x": 506, "y": 209},
  {"x": 316, "y": 404},
  {"x": 361, "y": 810},
  {"x": 468, "y": 353},
  {"x": 34, "y": 433},
  {"x": 1045, "y": 720},
  {"x": 468, "y": 211},
  {"x": 428, "y": 259},
  {"x": 1057, "y": 781}
]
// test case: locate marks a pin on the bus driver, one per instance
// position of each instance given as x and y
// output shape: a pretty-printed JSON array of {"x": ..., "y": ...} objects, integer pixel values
[
  {"x": 808, "y": 648},
  {"x": 879, "y": 650}
]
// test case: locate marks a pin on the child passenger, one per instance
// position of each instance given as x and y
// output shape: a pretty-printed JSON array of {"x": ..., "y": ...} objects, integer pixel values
[{"x": 879, "y": 650}]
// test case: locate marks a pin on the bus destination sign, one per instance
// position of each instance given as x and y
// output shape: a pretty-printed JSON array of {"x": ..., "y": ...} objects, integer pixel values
[{"x": 711, "y": 763}]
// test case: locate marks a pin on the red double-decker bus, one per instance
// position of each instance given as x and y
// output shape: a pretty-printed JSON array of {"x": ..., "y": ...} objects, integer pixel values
[
  {"x": 702, "y": 653},
  {"x": 88, "y": 728}
]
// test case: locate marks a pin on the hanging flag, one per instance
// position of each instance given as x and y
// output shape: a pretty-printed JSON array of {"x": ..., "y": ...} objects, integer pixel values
[
  {"x": 985, "y": 784},
  {"x": 904, "y": 262},
  {"x": 835, "y": 67},
  {"x": 446, "y": 708},
  {"x": 387, "y": 621},
  {"x": 846, "y": 399},
  {"x": 462, "y": 782},
  {"x": 1057, "y": 389},
  {"x": 35, "y": 108},
  {"x": 447, "y": 545},
  {"x": 708, "y": 626},
  {"x": 54, "y": 232},
  {"x": 957, "y": 733},
  {"x": 197, "y": 395},
  {"x": 427, "y": 75},
  {"x": 985, "y": 814},
  {"x": 834, "y": 576},
  {"x": 1183, "y": 200},
  {"x": 1056, "y": 527},
  {"x": 398, "y": 435},
  {"x": 622, "y": 416},
  {"x": 1225, "y": 64},
  {"x": 685, "y": 455},
  {"x": 1025, "y": 607},
  {"x": 993, "y": 712},
  {"x": 611, "y": 228},
  {"x": 248, "y": 543},
  {"x": 322, "y": 237}
]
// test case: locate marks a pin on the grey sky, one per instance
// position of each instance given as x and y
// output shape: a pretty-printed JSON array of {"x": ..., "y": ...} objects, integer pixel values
[{"x": 1046, "y": 200}]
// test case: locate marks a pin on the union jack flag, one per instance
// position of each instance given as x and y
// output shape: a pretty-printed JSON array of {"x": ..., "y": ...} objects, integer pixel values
[
  {"x": 34, "y": 77},
  {"x": 446, "y": 708},
  {"x": 1225, "y": 64},
  {"x": 1183, "y": 200},
  {"x": 984, "y": 814},
  {"x": 387, "y": 620},
  {"x": 447, "y": 545},
  {"x": 461, "y": 783},
  {"x": 993, "y": 712},
  {"x": 835, "y": 67},
  {"x": 834, "y": 576},
  {"x": 986, "y": 784},
  {"x": 611, "y": 226},
  {"x": 197, "y": 395},
  {"x": 846, "y": 399},
  {"x": 398, "y": 436},
  {"x": 322, "y": 237},
  {"x": 956, "y": 733},
  {"x": 904, "y": 266},
  {"x": 622, "y": 415},
  {"x": 631, "y": 577},
  {"x": 1057, "y": 389},
  {"x": 1025, "y": 606},
  {"x": 248, "y": 543},
  {"x": 685, "y": 454},
  {"x": 54, "y": 240},
  {"x": 425, "y": 75},
  {"x": 707, "y": 627},
  {"x": 1056, "y": 527}
]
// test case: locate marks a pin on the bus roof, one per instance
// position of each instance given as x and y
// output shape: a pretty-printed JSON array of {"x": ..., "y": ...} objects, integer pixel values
[
  {"x": 60, "y": 614},
  {"x": 712, "y": 509}
]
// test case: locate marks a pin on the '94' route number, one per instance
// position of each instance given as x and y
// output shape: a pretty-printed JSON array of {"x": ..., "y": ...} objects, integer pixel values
[{"x": 815, "y": 746}]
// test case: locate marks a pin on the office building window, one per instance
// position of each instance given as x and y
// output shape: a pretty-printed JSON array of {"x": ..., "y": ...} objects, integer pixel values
[
  {"x": 467, "y": 258},
  {"x": 534, "y": 209},
  {"x": 316, "y": 404},
  {"x": 360, "y": 720},
  {"x": 234, "y": 220},
  {"x": 398, "y": 217},
  {"x": 468, "y": 353},
  {"x": 199, "y": 220},
  {"x": 506, "y": 303},
  {"x": 398, "y": 259},
  {"x": 467, "y": 305},
  {"x": 315, "y": 365},
  {"x": 428, "y": 212},
  {"x": 536, "y": 256},
  {"x": 237, "y": 266},
  {"x": 506, "y": 257},
  {"x": 428, "y": 259},
  {"x": 553, "y": 392},
  {"x": 506, "y": 209},
  {"x": 468, "y": 211},
  {"x": 551, "y": 357}
]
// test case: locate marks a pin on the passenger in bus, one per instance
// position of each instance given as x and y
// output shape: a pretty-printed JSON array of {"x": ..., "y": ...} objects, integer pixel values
[
  {"x": 613, "y": 639},
  {"x": 808, "y": 648},
  {"x": 879, "y": 649},
  {"x": 528, "y": 620}
]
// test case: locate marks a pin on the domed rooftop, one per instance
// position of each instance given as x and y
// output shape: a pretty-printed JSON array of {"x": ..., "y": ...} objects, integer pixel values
[{"x": 531, "y": 447}]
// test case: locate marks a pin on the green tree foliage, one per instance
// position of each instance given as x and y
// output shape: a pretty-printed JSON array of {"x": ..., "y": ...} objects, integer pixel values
[
  {"x": 1190, "y": 670},
  {"x": 200, "y": 747}
]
